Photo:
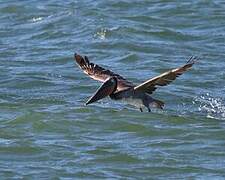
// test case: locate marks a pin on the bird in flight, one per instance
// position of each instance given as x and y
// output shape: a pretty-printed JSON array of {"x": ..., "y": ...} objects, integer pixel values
[{"x": 118, "y": 88}]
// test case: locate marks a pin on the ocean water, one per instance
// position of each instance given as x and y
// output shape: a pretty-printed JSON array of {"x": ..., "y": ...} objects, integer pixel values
[{"x": 48, "y": 133}]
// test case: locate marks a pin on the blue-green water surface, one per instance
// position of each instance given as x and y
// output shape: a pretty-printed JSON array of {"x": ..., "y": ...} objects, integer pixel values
[{"x": 46, "y": 131}]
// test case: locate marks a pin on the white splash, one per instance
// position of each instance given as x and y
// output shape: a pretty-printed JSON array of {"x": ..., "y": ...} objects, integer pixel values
[
  {"x": 213, "y": 106},
  {"x": 101, "y": 34},
  {"x": 36, "y": 19}
]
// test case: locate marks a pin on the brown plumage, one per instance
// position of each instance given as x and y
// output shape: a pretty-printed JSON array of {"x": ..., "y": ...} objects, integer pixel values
[
  {"x": 118, "y": 87},
  {"x": 100, "y": 74},
  {"x": 164, "y": 79}
]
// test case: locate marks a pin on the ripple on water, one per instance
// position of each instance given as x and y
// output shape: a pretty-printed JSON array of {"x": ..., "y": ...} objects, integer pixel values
[{"x": 46, "y": 130}]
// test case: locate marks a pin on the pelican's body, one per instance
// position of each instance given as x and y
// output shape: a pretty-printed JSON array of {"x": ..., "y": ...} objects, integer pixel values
[
  {"x": 118, "y": 88},
  {"x": 137, "y": 99}
]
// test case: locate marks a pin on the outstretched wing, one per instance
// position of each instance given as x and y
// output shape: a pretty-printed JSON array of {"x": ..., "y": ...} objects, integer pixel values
[
  {"x": 165, "y": 78},
  {"x": 100, "y": 74}
]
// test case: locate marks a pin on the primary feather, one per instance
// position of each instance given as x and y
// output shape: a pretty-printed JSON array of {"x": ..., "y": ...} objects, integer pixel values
[
  {"x": 164, "y": 79},
  {"x": 100, "y": 74}
]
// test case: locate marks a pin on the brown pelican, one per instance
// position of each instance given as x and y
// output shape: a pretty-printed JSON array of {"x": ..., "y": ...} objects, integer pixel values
[{"x": 118, "y": 88}]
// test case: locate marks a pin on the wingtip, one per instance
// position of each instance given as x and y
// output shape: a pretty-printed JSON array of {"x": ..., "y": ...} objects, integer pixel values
[
  {"x": 76, "y": 55},
  {"x": 192, "y": 60},
  {"x": 78, "y": 58}
]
